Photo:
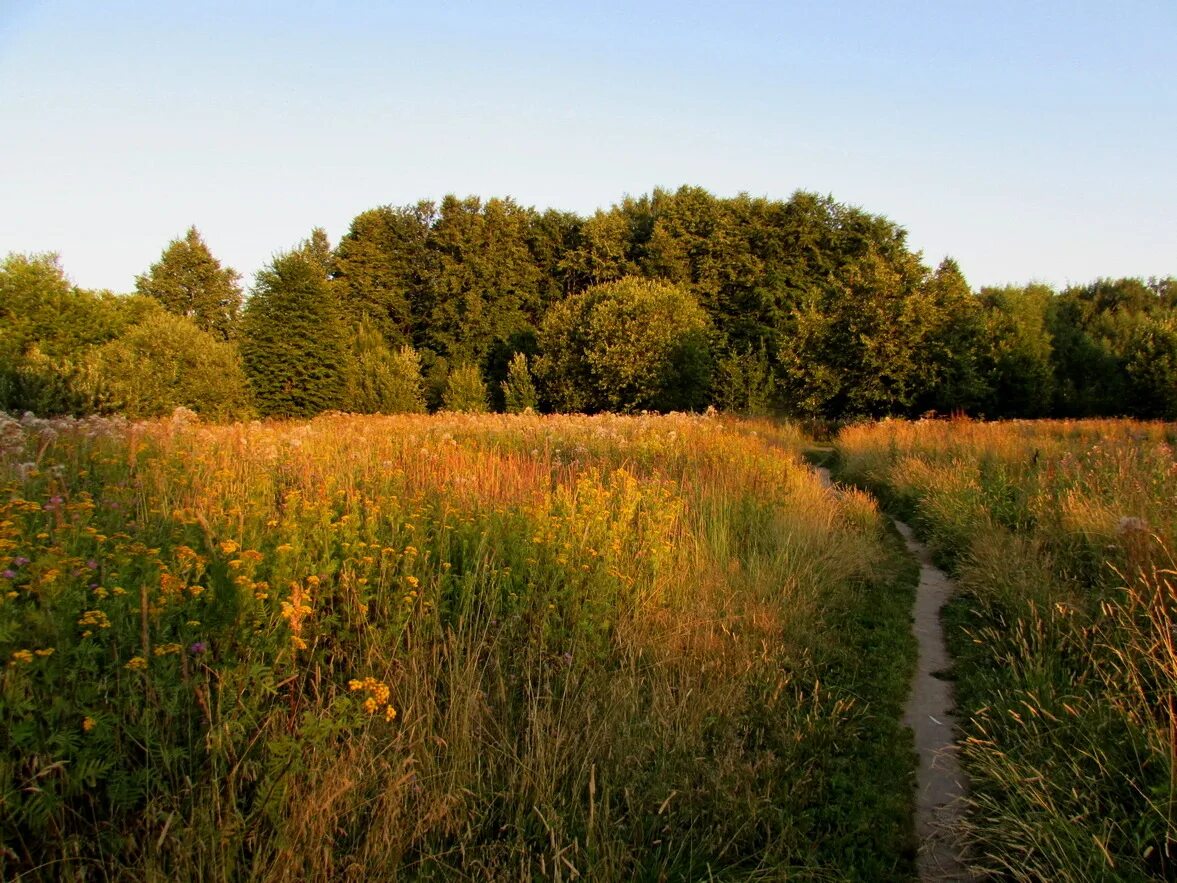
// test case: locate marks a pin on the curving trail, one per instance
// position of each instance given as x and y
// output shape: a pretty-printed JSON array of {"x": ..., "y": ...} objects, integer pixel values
[{"x": 940, "y": 783}]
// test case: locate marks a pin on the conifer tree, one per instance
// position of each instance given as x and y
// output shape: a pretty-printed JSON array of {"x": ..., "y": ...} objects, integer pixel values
[
  {"x": 294, "y": 344},
  {"x": 519, "y": 393},
  {"x": 188, "y": 281},
  {"x": 465, "y": 390}
]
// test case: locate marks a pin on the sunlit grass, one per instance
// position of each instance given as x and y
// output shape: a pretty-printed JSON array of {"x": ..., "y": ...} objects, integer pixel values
[
  {"x": 1059, "y": 534},
  {"x": 485, "y": 647}
]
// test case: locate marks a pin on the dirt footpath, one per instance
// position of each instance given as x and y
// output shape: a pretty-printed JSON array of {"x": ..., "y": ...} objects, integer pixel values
[{"x": 940, "y": 783}]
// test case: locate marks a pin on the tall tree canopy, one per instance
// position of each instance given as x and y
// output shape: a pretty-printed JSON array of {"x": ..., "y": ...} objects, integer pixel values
[
  {"x": 188, "y": 281},
  {"x": 803, "y": 306}
]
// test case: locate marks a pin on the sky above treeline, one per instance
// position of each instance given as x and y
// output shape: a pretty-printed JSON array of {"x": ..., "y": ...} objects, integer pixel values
[{"x": 1030, "y": 141}]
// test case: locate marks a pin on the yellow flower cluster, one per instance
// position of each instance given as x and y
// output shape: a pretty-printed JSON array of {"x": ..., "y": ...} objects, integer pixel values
[
  {"x": 95, "y": 619},
  {"x": 167, "y": 649},
  {"x": 376, "y": 698},
  {"x": 295, "y": 611},
  {"x": 137, "y": 663}
]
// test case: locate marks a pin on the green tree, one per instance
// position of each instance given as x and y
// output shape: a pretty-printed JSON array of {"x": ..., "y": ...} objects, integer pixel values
[
  {"x": 465, "y": 390},
  {"x": 487, "y": 288},
  {"x": 745, "y": 384},
  {"x": 852, "y": 346},
  {"x": 294, "y": 343},
  {"x": 1015, "y": 357},
  {"x": 165, "y": 362},
  {"x": 384, "y": 267},
  {"x": 188, "y": 281},
  {"x": 949, "y": 332},
  {"x": 47, "y": 326},
  {"x": 384, "y": 381},
  {"x": 628, "y": 345},
  {"x": 519, "y": 393},
  {"x": 1151, "y": 368}
]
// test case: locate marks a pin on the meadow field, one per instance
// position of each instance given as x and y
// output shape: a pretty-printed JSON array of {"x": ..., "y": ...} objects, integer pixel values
[
  {"x": 1059, "y": 534},
  {"x": 456, "y": 647}
]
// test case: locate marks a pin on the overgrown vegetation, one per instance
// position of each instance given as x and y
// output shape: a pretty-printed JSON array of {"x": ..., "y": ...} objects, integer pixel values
[
  {"x": 483, "y": 647},
  {"x": 1059, "y": 535}
]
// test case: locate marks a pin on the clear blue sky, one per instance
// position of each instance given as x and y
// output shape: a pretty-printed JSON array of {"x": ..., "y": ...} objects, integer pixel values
[{"x": 1030, "y": 140}]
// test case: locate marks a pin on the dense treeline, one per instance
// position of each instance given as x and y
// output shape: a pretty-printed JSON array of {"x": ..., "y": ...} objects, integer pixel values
[{"x": 667, "y": 301}]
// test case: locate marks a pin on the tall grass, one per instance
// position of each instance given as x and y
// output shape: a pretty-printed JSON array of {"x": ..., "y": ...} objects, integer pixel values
[
  {"x": 1059, "y": 535},
  {"x": 473, "y": 647}
]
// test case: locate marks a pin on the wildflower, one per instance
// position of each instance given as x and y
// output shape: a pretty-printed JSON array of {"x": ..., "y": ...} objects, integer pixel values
[
  {"x": 44, "y": 652},
  {"x": 412, "y": 581},
  {"x": 96, "y": 618},
  {"x": 389, "y": 713},
  {"x": 20, "y": 561},
  {"x": 24, "y": 656},
  {"x": 88, "y": 724},
  {"x": 9, "y": 574},
  {"x": 229, "y": 547},
  {"x": 167, "y": 649},
  {"x": 137, "y": 663},
  {"x": 197, "y": 647},
  {"x": 92, "y": 564}
]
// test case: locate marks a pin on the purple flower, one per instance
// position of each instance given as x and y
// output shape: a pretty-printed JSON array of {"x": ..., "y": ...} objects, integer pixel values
[
  {"x": 197, "y": 648},
  {"x": 20, "y": 561},
  {"x": 92, "y": 564},
  {"x": 9, "y": 574}
]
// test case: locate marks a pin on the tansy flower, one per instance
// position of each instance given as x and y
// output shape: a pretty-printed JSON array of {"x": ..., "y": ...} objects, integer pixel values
[
  {"x": 24, "y": 656},
  {"x": 88, "y": 724},
  {"x": 137, "y": 663}
]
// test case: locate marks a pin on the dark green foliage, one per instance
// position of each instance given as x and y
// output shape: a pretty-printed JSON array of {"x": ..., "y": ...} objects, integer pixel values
[
  {"x": 188, "y": 281},
  {"x": 487, "y": 286},
  {"x": 953, "y": 329},
  {"x": 1151, "y": 368},
  {"x": 293, "y": 341},
  {"x": 1016, "y": 356},
  {"x": 384, "y": 268},
  {"x": 854, "y": 346},
  {"x": 626, "y": 346},
  {"x": 745, "y": 384},
  {"x": 814, "y": 309}
]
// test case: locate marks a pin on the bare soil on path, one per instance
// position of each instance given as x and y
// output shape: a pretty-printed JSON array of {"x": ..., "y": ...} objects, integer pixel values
[{"x": 940, "y": 783}]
